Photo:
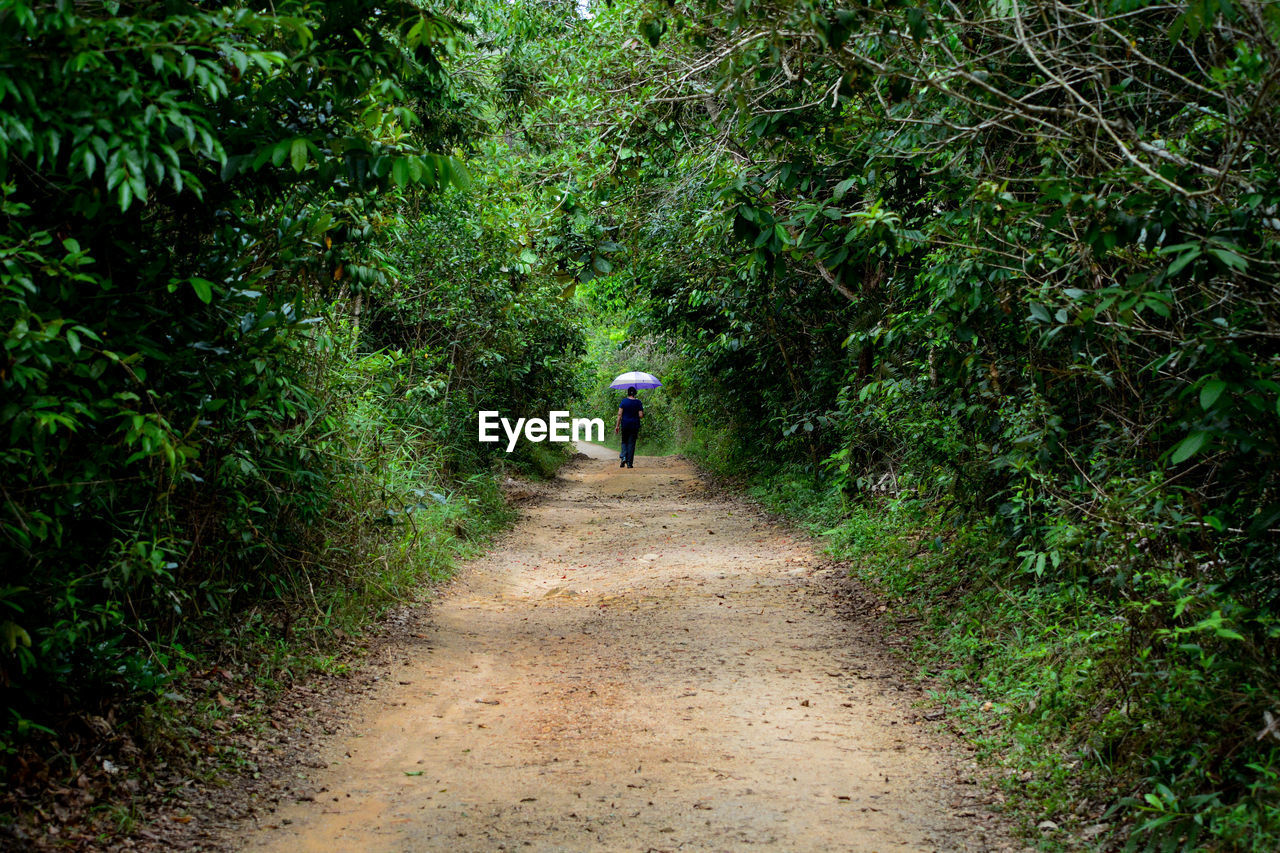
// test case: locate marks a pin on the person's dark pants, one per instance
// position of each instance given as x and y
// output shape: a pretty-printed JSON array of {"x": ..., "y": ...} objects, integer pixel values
[{"x": 629, "y": 436}]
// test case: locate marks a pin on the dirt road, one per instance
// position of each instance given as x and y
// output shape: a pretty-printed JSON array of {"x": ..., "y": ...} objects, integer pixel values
[{"x": 639, "y": 666}]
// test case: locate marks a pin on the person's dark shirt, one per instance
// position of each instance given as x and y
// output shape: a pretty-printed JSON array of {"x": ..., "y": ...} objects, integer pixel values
[{"x": 631, "y": 409}]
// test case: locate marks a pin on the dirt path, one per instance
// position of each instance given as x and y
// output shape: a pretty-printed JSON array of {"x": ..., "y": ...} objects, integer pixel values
[{"x": 638, "y": 666}]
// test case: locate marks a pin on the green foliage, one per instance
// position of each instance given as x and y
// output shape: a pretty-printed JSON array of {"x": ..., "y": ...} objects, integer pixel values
[
  {"x": 251, "y": 300},
  {"x": 1012, "y": 267},
  {"x": 158, "y": 258},
  {"x": 987, "y": 292}
]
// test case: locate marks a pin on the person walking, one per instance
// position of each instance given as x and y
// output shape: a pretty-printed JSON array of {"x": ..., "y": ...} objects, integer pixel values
[{"x": 630, "y": 413}]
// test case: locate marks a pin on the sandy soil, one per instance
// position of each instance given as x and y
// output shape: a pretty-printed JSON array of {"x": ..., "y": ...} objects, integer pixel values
[{"x": 640, "y": 665}]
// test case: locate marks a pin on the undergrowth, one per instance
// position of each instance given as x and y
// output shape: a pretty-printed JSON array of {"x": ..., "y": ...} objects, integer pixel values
[
  {"x": 644, "y": 447},
  {"x": 1110, "y": 723},
  {"x": 396, "y": 520}
]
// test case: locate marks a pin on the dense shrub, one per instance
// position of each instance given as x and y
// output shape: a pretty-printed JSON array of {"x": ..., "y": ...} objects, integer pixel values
[
  {"x": 241, "y": 368},
  {"x": 1010, "y": 267}
]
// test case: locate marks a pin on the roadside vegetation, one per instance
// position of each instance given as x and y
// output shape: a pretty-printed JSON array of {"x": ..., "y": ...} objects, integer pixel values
[
  {"x": 986, "y": 294},
  {"x": 252, "y": 299}
]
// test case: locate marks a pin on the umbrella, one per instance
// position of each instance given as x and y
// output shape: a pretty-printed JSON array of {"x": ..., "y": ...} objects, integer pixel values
[{"x": 637, "y": 379}]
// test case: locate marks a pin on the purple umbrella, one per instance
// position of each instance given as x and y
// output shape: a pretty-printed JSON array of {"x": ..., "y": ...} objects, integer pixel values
[{"x": 641, "y": 381}]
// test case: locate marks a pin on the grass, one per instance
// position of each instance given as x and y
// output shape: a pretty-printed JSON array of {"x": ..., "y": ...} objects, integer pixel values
[
  {"x": 540, "y": 461},
  {"x": 1100, "y": 735},
  {"x": 390, "y": 540},
  {"x": 643, "y": 447}
]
